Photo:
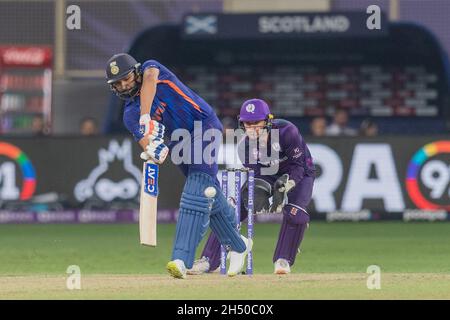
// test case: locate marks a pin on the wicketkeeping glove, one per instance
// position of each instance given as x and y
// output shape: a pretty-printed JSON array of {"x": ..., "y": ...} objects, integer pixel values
[{"x": 280, "y": 189}]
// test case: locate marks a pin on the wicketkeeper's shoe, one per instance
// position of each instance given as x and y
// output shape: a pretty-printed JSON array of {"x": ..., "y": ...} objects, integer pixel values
[
  {"x": 200, "y": 266},
  {"x": 176, "y": 269},
  {"x": 237, "y": 260},
  {"x": 282, "y": 266},
  {"x": 216, "y": 271}
]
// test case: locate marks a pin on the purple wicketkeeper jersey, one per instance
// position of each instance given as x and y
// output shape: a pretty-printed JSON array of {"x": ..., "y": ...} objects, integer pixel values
[
  {"x": 294, "y": 156},
  {"x": 175, "y": 105}
]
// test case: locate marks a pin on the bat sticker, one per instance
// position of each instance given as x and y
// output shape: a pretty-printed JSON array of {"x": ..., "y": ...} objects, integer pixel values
[{"x": 151, "y": 179}]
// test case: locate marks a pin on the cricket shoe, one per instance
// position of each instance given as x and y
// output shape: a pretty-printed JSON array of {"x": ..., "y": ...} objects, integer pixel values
[
  {"x": 217, "y": 270},
  {"x": 176, "y": 269},
  {"x": 200, "y": 266},
  {"x": 237, "y": 260},
  {"x": 282, "y": 266}
]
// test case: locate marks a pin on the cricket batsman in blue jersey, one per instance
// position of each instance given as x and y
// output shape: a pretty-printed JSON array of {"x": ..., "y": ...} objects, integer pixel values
[{"x": 157, "y": 102}]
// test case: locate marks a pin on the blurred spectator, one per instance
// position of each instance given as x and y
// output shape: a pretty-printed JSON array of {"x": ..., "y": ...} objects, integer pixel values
[
  {"x": 318, "y": 127},
  {"x": 88, "y": 127},
  {"x": 340, "y": 127},
  {"x": 38, "y": 126},
  {"x": 368, "y": 128}
]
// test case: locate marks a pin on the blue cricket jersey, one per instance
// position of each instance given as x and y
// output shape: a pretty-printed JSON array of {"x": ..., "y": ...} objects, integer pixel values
[{"x": 175, "y": 105}]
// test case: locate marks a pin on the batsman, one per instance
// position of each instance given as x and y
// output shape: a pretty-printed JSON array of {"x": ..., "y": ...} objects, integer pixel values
[
  {"x": 157, "y": 102},
  {"x": 287, "y": 192}
]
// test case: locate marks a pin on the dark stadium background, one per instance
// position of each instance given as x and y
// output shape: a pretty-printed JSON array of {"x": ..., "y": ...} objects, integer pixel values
[{"x": 397, "y": 77}]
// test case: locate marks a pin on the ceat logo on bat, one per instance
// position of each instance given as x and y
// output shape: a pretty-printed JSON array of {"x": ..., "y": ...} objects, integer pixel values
[{"x": 151, "y": 179}]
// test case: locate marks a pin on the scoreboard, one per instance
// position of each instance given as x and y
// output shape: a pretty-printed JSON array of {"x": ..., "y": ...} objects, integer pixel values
[
  {"x": 305, "y": 64},
  {"x": 310, "y": 64}
]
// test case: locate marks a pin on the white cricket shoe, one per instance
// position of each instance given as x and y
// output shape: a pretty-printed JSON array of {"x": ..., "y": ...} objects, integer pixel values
[
  {"x": 177, "y": 269},
  {"x": 282, "y": 266},
  {"x": 237, "y": 260},
  {"x": 200, "y": 266}
]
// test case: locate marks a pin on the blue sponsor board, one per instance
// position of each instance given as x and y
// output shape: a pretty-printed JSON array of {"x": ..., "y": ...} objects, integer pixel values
[{"x": 151, "y": 179}]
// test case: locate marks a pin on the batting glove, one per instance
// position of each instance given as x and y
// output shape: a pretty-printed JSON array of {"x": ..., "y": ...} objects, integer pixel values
[
  {"x": 144, "y": 124},
  {"x": 147, "y": 126},
  {"x": 156, "y": 151},
  {"x": 157, "y": 130},
  {"x": 145, "y": 156}
]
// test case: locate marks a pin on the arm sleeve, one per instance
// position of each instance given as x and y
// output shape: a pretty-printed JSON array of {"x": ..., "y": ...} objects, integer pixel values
[
  {"x": 163, "y": 72},
  {"x": 295, "y": 151},
  {"x": 150, "y": 64}
]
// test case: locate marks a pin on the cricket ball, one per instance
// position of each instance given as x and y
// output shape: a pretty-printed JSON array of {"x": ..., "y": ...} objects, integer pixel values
[{"x": 210, "y": 192}]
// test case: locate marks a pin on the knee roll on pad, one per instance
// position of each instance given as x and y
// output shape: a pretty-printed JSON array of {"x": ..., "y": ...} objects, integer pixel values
[
  {"x": 197, "y": 182},
  {"x": 193, "y": 218}
]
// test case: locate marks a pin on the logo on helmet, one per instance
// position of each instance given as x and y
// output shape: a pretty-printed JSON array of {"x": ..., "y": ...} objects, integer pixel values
[
  {"x": 250, "y": 108},
  {"x": 114, "y": 68}
]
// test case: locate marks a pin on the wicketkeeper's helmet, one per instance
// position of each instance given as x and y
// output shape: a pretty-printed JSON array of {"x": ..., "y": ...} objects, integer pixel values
[{"x": 255, "y": 110}]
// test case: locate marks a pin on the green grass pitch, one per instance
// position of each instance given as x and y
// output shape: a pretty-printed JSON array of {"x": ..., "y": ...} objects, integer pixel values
[{"x": 414, "y": 259}]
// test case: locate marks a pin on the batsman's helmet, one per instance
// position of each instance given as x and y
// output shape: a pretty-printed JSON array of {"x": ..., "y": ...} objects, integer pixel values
[
  {"x": 255, "y": 110},
  {"x": 118, "y": 67}
]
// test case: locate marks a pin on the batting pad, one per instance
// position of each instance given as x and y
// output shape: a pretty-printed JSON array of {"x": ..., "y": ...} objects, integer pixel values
[
  {"x": 223, "y": 223},
  {"x": 193, "y": 218}
]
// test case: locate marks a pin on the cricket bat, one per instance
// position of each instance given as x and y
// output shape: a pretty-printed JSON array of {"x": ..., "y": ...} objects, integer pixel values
[{"x": 148, "y": 205}]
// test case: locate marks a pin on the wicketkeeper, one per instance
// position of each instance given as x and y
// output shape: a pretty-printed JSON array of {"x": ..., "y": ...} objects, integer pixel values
[{"x": 289, "y": 189}]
